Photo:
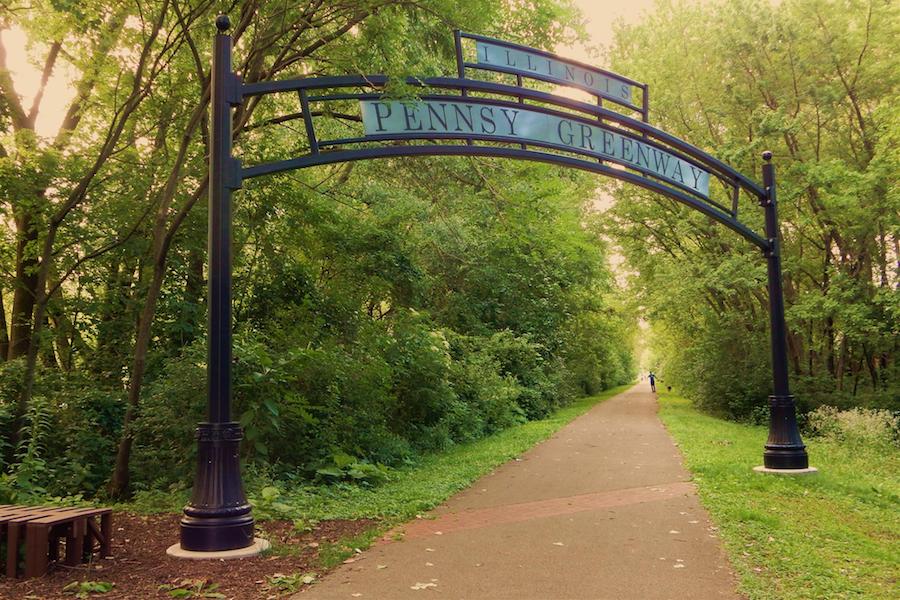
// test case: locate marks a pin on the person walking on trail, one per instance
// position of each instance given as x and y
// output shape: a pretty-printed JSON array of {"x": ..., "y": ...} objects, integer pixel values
[{"x": 652, "y": 382}]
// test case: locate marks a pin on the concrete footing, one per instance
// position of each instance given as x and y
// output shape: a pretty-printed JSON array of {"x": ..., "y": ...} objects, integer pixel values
[
  {"x": 253, "y": 549},
  {"x": 806, "y": 471}
]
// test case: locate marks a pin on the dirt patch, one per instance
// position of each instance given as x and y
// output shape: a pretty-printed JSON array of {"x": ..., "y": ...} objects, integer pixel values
[{"x": 139, "y": 564}]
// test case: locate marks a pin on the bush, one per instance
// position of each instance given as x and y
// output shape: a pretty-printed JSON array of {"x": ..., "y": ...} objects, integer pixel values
[{"x": 857, "y": 426}]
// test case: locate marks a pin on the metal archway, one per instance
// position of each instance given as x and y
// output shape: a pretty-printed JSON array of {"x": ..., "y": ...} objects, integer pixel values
[{"x": 465, "y": 117}]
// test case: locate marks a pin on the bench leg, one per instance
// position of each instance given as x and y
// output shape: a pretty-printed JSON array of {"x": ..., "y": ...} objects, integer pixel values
[
  {"x": 12, "y": 550},
  {"x": 75, "y": 542},
  {"x": 53, "y": 542},
  {"x": 37, "y": 550},
  {"x": 106, "y": 534}
]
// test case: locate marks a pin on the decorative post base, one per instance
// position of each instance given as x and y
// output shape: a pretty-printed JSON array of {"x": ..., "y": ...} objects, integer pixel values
[
  {"x": 218, "y": 516},
  {"x": 785, "y": 451}
]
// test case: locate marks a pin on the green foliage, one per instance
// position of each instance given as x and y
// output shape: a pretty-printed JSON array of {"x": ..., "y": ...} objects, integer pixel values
[
  {"x": 290, "y": 583},
  {"x": 343, "y": 467},
  {"x": 857, "y": 427},
  {"x": 781, "y": 532},
  {"x": 24, "y": 482},
  {"x": 815, "y": 81},
  {"x": 267, "y": 505},
  {"x": 383, "y": 311},
  {"x": 333, "y": 554},
  {"x": 84, "y": 589},
  {"x": 192, "y": 588}
]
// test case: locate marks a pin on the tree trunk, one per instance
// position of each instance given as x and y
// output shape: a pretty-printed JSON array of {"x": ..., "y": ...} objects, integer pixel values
[
  {"x": 4, "y": 332},
  {"x": 194, "y": 289},
  {"x": 841, "y": 366},
  {"x": 25, "y": 290},
  {"x": 870, "y": 365},
  {"x": 121, "y": 478}
]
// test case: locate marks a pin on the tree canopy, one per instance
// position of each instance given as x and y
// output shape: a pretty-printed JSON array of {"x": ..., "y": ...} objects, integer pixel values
[
  {"x": 382, "y": 310},
  {"x": 815, "y": 82},
  {"x": 389, "y": 309}
]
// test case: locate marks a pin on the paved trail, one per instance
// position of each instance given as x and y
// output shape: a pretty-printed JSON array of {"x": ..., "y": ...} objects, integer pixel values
[{"x": 602, "y": 510}]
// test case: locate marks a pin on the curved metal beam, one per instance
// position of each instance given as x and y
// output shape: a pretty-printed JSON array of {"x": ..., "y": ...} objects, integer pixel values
[
  {"x": 324, "y": 158},
  {"x": 379, "y": 81},
  {"x": 634, "y": 136}
]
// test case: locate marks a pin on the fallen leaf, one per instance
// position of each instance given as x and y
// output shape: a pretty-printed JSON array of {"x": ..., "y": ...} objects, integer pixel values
[{"x": 422, "y": 586}]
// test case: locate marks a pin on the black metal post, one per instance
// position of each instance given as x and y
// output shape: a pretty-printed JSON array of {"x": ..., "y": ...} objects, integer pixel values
[
  {"x": 784, "y": 448},
  {"x": 218, "y": 516}
]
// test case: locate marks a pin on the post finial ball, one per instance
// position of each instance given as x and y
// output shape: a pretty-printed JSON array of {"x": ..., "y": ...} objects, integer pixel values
[
  {"x": 767, "y": 155},
  {"x": 223, "y": 23}
]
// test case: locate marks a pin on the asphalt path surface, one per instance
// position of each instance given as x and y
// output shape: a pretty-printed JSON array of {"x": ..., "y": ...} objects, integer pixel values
[{"x": 604, "y": 509}]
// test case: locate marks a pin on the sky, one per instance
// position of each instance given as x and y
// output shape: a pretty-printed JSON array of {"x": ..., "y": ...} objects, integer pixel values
[{"x": 600, "y": 16}]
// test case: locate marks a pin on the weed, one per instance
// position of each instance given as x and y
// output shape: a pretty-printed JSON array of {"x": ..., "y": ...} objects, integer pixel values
[
  {"x": 290, "y": 583},
  {"x": 83, "y": 589},
  {"x": 193, "y": 588}
]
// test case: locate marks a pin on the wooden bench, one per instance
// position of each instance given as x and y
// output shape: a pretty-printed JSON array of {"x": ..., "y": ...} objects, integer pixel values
[{"x": 41, "y": 528}]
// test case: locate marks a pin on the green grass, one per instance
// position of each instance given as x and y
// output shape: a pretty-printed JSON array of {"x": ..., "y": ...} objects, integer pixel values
[
  {"x": 835, "y": 534},
  {"x": 333, "y": 554}
]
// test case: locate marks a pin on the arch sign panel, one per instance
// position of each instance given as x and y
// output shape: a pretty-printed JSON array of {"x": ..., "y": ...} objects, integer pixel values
[
  {"x": 433, "y": 118},
  {"x": 460, "y": 116},
  {"x": 530, "y": 62}
]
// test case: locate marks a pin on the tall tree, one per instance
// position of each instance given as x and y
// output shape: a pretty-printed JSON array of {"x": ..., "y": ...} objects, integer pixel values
[{"x": 814, "y": 81}]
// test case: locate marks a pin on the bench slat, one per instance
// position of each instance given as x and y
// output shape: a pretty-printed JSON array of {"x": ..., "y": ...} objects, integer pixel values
[{"x": 41, "y": 526}]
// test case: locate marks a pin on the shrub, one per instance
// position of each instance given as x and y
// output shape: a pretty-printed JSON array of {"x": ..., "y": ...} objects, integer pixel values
[{"x": 857, "y": 426}]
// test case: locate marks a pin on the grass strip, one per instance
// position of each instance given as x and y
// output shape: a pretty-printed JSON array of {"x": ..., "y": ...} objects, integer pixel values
[{"x": 835, "y": 534}]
